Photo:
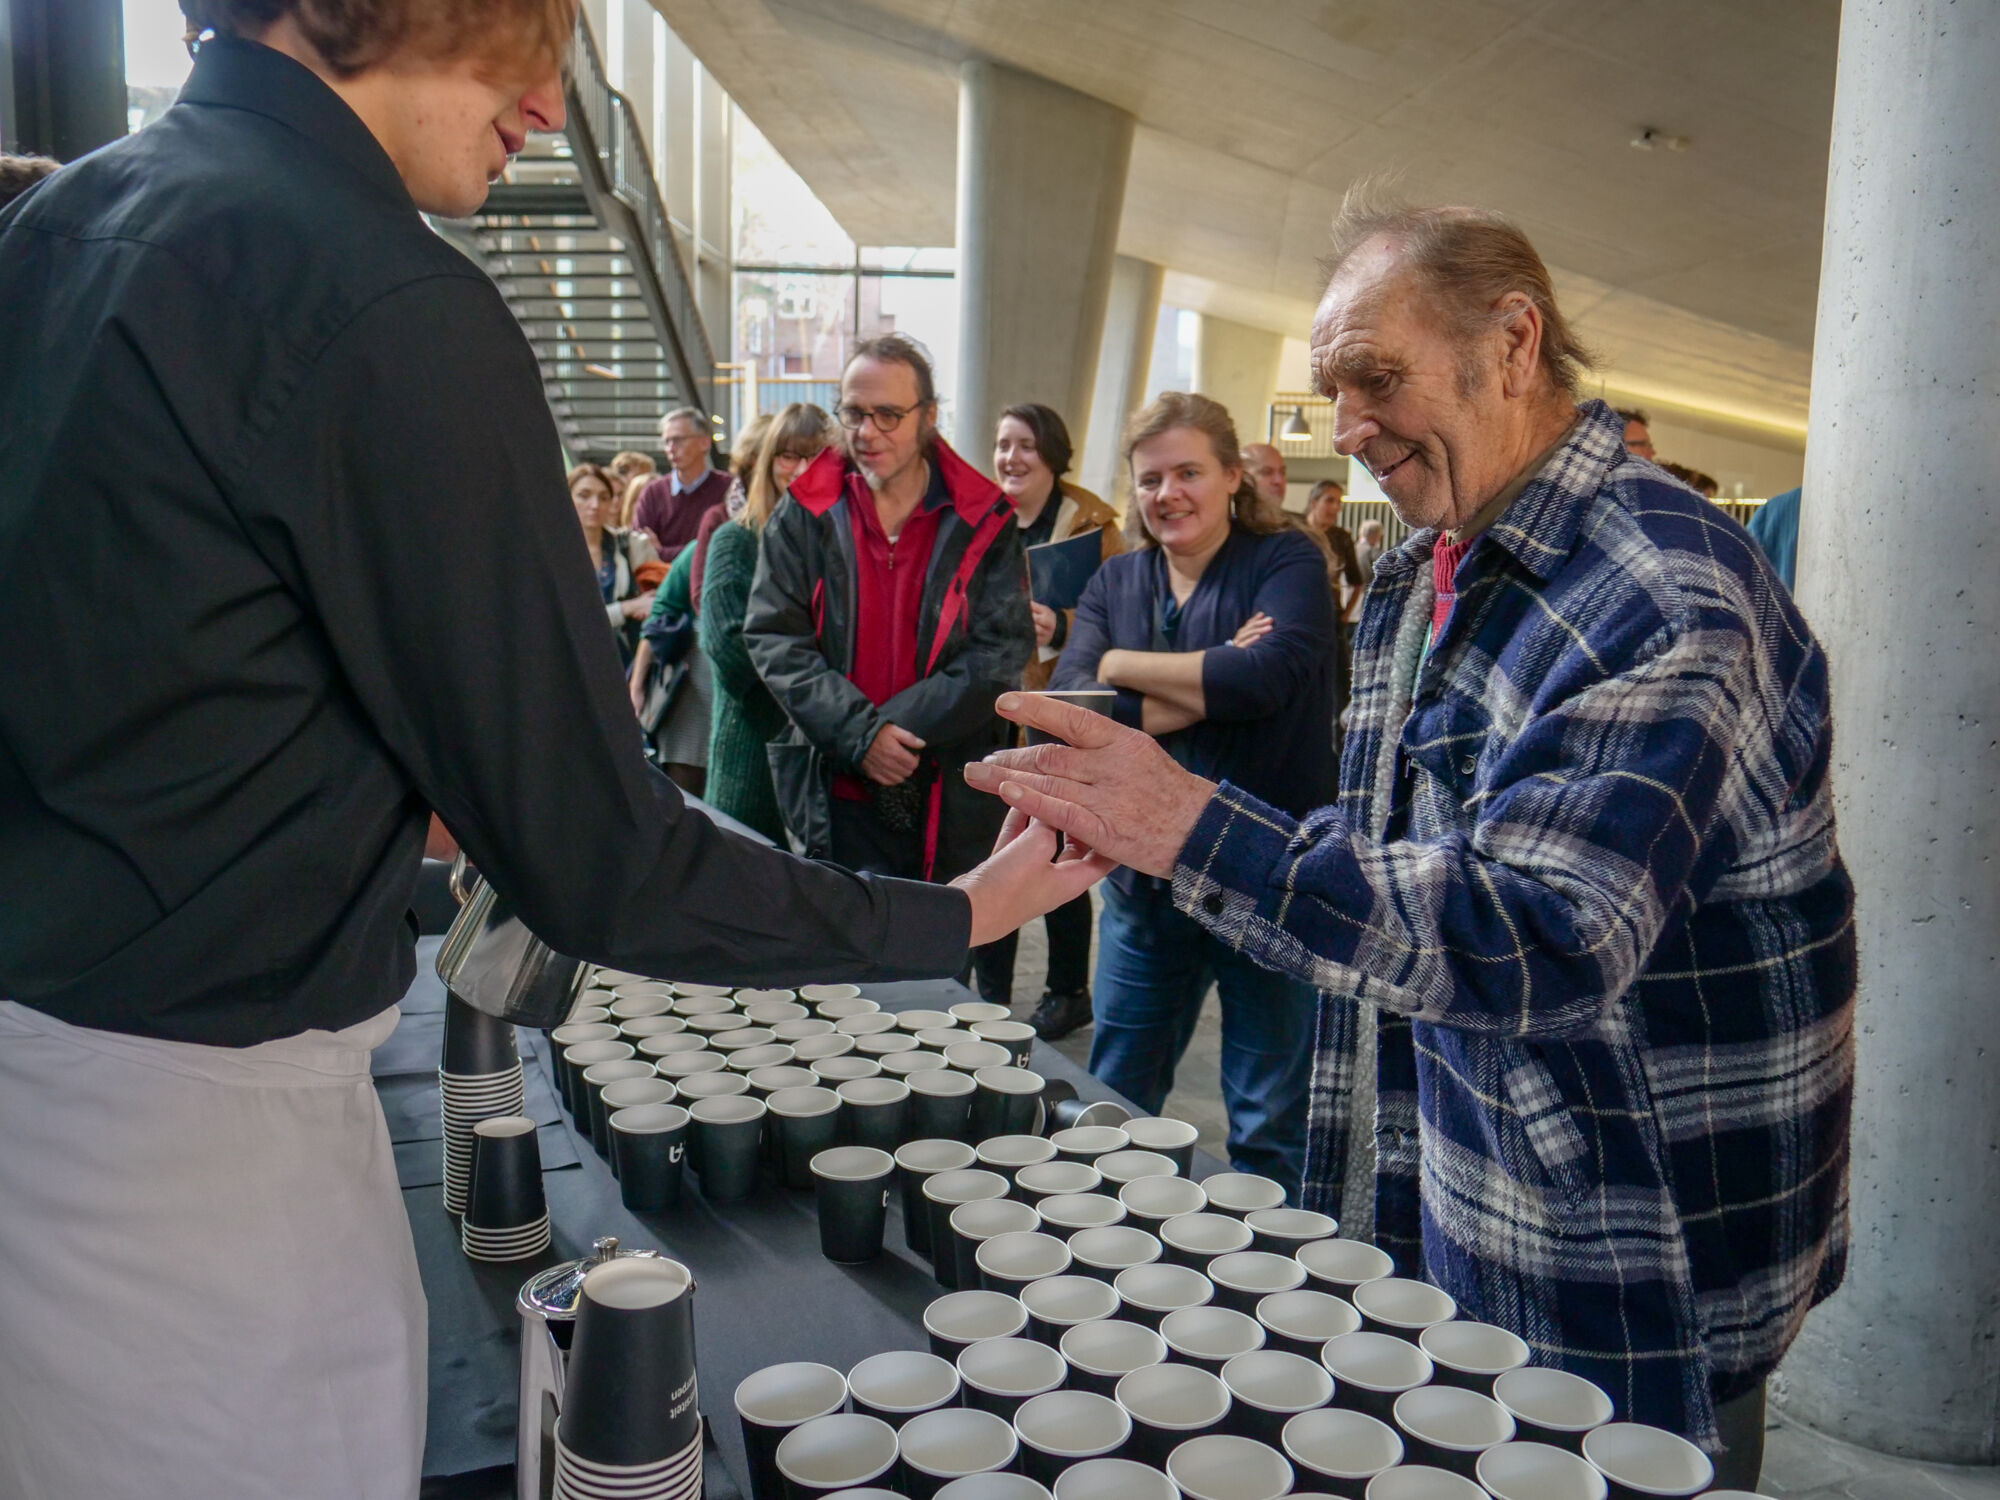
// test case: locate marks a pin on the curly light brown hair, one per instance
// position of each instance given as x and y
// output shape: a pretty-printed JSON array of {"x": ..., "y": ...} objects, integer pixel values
[{"x": 355, "y": 35}]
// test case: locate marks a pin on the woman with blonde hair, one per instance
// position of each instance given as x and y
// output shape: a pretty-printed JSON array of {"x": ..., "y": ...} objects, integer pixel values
[
  {"x": 744, "y": 717},
  {"x": 1216, "y": 633}
]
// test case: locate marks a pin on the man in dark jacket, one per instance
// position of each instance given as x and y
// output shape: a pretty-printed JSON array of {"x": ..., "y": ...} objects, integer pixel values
[{"x": 890, "y": 608}]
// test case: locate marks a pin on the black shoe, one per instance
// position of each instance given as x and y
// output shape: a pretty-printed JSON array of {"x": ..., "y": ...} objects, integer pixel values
[{"x": 1058, "y": 1015}]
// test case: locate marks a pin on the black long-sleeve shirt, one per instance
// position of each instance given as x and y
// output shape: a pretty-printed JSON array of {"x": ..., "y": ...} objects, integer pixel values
[{"x": 285, "y": 563}]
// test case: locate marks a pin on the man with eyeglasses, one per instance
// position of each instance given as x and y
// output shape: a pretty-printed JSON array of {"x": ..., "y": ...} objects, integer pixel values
[
  {"x": 672, "y": 507},
  {"x": 889, "y": 610}
]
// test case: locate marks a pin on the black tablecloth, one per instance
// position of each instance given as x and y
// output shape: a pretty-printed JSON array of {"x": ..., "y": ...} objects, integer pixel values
[{"x": 764, "y": 1293}]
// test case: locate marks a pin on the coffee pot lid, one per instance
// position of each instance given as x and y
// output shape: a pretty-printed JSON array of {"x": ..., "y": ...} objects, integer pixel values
[{"x": 554, "y": 1293}]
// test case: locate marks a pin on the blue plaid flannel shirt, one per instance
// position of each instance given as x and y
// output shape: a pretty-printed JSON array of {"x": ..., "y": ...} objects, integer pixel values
[{"x": 1583, "y": 869}]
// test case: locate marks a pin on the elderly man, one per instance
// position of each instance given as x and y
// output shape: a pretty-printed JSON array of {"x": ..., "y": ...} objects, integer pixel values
[
  {"x": 672, "y": 507},
  {"x": 1638, "y": 432},
  {"x": 1582, "y": 866},
  {"x": 1265, "y": 467}
]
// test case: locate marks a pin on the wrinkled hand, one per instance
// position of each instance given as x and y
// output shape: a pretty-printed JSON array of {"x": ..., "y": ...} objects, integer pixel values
[
  {"x": 1253, "y": 629},
  {"x": 1045, "y": 623},
  {"x": 1026, "y": 877},
  {"x": 1112, "y": 789},
  {"x": 892, "y": 757}
]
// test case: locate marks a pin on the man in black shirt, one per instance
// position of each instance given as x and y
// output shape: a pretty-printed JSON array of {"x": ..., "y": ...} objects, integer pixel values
[{"x": 285, "y": 564}]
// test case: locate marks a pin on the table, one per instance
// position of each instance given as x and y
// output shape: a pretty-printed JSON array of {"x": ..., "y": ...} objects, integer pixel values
[{"x": 764, "y": 1293}]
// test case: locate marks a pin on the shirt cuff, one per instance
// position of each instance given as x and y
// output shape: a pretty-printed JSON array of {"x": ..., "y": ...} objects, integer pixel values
[{"x": 926, "y": 929}]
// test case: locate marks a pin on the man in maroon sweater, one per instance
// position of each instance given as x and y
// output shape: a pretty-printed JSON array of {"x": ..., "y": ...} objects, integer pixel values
[{"x": 671, "y": 508}]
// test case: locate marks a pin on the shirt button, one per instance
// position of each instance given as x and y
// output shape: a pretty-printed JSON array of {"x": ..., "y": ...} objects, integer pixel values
[
  {"x": 1468, "y": 765},
  {"x": 1212, "y": 903}
]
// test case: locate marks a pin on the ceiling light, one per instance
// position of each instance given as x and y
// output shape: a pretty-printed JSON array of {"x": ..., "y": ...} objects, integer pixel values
[
  {"x": 1296, "y": 428},
  {"x": 1648, "y": 139}
]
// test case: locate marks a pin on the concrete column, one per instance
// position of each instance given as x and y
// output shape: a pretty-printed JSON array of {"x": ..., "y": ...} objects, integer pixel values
[
  {"x": 1238, "y": 366},
  {"x": 1123, "y": 358},
  {"x": 1041, "y": 185},
  {"x": 1896, "y": 574}
]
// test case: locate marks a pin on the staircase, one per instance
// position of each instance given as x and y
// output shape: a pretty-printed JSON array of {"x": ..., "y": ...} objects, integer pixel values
[{"x": 577, "y": 238}]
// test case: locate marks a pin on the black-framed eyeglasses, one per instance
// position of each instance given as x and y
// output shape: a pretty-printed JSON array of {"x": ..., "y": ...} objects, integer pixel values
[{"x": 886, "y": 418}]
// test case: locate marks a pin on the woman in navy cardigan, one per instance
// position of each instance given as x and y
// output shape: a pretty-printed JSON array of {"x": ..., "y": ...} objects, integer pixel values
[{"x": 1217, "y": 632}]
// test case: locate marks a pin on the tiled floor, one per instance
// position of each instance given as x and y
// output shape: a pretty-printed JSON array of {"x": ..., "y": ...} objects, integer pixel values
[{"x": 1799, "y": 1463}]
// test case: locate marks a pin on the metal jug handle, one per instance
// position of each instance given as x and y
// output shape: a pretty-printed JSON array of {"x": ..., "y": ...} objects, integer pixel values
[{"x": 456, "y": 880}]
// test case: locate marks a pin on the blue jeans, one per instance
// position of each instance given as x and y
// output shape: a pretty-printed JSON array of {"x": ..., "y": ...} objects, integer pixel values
[{"x": 1153, "y": 966}]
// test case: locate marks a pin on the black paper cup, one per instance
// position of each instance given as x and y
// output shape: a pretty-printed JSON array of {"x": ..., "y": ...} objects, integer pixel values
[
  {"x": 506, "y": 1187},
  {"x": 918, "y": 1160},
  {"x": 874, "y": 1112},
  {"x": 1300, "y": 1322},
  {"x": 1113, "y": 1479},
  {"x": 1448, "y": 1428},
  {"x": 630, "y": 1093},
  {"x": 1071, "y": 1113},
  {"x": 1193, "y": 1240},
  {"x": 1401, "y": 1306},
  {"x": 710, "y": 1086},
  {"x": 973, "y": 1224},
  {"x": 1220, "y": 1466},
  {"x": 802, "y": 1121},
  {"x": 587, "y": 1054},
  {"x": 886, "y": 1044},
  {"x": 1065, "y": 1215},
  {"x": 728, "y": 1130},
  {"x": 1550, "y": 1406},
  {"x": 1005, "y": 1101},
  {"x": 629, "y": 1393},
  {"x": 1280, "y": 1231},
  {"x": 1338, "y": 1452},
  {"x": 1103, "y": 1353},
  {"x": 943, "y": 1192},
  {"x": 999, "y": 1374},
  {"x": 1471, "y": 1355},
  {"x": 834, "y": 1453},
  {"x": 957, "y": 1320},
  {"x": 1131, "y": 1165},
  {"x": 774, "y": 1400},
  {"x": 1067, "y": 1427},
  {"x": 1170, "y": 1404},
  {"x": 1245, "y": 1278},
  {"x": 1008, "y": 1262},
  {"x": 575, "y": 1034},
  {"x": 895, "y": 1386},
  {"x": 941, "y": 1105},
  {"x": 1210, "y": 1336},
  {"x": 851, "y": 1191},
  {"x": 832, "y": 1072},
  {"x": 1370, "y": 1370},
  {"x": 1643, "y": 1463},
  {"x": 1057, "y": 1304},
  {"x": 971, "y": 1055},
  {"x": 1151, "y": 1201},
  {"x": 1536, "y": 1471},
  {"x": 1110, "y": 1252},
  {"x": 1148, "y": 1293},
  {"x": 1085, "y": 1143},
  {"x": 1057, "y": 1094},
  {"x": 940, "y": 1446},
  {"x": 1339, "y": 1266},
  {"x": 1009, "y": 1154},
  {"x": 1018, "y": 1037},
  {"x": 1268, "y": 1387},
  {"x": 1239, "y": 1194},
  {"x": 595, "y": 1077},
  {"x": 476, "y": 1043},
  {"x": 1173, "y": 1139},
  {"x": 1055, "y": 1179},
  {"x": 649, "y": 1145}
]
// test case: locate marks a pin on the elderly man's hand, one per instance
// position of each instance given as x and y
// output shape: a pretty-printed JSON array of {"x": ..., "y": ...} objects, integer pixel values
[
  {"x": 1025, "y": 877},
  {"x": 1110, "y": 788}
]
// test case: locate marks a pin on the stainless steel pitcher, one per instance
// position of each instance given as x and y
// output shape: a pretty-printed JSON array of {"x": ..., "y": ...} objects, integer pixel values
[{"x": 493, "y": 963}]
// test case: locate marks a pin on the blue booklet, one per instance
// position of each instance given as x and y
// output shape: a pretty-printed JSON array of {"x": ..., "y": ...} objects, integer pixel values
[{"x": 1058, "y": 571}]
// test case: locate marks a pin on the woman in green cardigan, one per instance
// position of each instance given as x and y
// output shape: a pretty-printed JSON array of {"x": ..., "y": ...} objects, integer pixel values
[{"x": 744, "y": 717}]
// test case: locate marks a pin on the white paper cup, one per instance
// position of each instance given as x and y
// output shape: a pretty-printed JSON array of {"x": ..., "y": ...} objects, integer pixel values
[
  {"x": 1343, "y": 1264},
  {"x": 1639, "y": 1460},
  {"x": 1340, "y": 1449},
  {"x": 835, "y": 1453},
  {"x": 1113, "y": 1479},
  {"x": 1536, "y": 1471},
  {"x": 1220, "y": 1467}
]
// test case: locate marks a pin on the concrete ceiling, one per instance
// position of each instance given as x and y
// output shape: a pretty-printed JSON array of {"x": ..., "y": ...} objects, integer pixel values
[{"x": 1694, "y": 271}]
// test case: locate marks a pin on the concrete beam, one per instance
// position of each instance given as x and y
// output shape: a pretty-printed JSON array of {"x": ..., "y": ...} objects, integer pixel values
[
  {"x": 1902, "y": 495},
  {"x": 1041, "y": 184}
]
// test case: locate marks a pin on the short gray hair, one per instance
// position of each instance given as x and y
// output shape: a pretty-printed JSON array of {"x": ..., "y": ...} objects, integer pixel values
[
  {"x": 691, "y": 413},
  {"x": 1470, "y": 259}
]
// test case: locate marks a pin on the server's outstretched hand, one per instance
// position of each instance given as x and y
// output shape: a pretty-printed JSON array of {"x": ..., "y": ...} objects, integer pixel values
[
  {"x": 1110, "y": 788},
  {"x": 1029, "y": 873}
]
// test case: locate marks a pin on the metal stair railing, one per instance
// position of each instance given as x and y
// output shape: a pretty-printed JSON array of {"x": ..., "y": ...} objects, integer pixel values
[{"x": 617, "y": 175}]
